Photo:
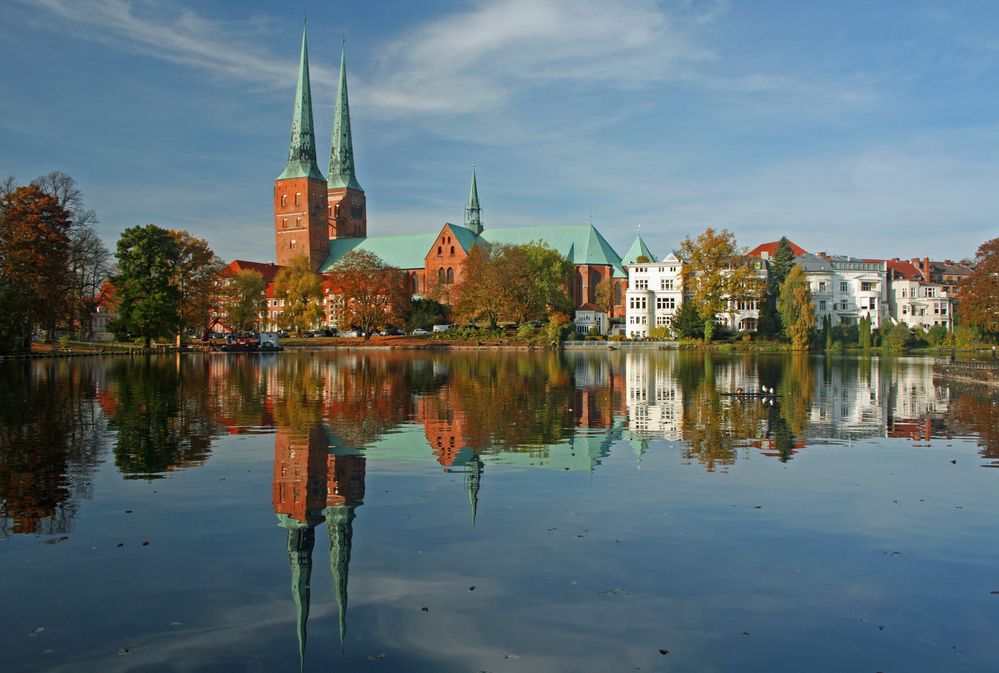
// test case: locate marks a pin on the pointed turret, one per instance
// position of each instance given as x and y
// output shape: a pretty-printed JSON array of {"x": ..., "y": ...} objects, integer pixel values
[
  {"x": 341, "y": 172},
  {"x": 340, "y": 524},
  {"x": 473, "y": 213},
  {"x": 302, "y": 149},
  {"x": 637, "y": 250},
  {"x": 473, "y": 481}
]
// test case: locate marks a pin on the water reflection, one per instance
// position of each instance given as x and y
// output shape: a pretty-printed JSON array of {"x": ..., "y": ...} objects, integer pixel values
[{"x": 527, "y": 409}]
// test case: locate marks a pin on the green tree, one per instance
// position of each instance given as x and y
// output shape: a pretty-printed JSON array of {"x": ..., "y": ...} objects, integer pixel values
[
  {"x": 148, "y": 299},
  {"x": 687, "y": 323},
  {"x": 895, "y": 337},
  {"x": 426, "y": 313},
  {"x": 478, "y": 294},
  {"x": 979, "y": 305},
  {"x": 864, "y": 333},
  {"x": 718, "y": 274},
  {"x": 606, "y": 295},
  {"x": 796, "y": 309},
  {"x": 34, "y": 242},
  {"x": 370, "y": 294},
  {"x": 551, "y": 275},
  {"x": 827, "y": 332},
  {"x": 243, "y": 299},
  {"x": 783, "y": 261},
  {"x": 195, "y": 273},
  {"x": 301, "y": 291}
]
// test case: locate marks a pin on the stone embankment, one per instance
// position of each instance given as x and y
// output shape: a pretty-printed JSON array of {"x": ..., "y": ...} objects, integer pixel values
[{"x": 982, "y": 372}]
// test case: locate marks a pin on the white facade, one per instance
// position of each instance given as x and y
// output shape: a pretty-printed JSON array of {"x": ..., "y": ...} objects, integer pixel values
[
  {"x": 655, "y": 294},
  {"x": 916, "y": 303},
  {"x": 847, "y": 289},
  {"x": 588, "y": 316}
]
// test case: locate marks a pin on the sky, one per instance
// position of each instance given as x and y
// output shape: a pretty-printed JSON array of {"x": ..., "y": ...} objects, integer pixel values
[{"x": 856, "y": 128}]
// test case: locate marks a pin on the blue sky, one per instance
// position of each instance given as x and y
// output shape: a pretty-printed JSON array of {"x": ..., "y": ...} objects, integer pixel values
[{"x": 861, "y": 128}]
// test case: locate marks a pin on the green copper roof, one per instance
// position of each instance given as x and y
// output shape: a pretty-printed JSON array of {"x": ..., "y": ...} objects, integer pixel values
[
  {"x": 581, "y": 243},
  {"x": 405, "y": 251},
  {"x": 473, "y": 213},
  {"x": 302, "y": 149},
  {"x": 341, "y": 172},
  {"x": 340, "y": 524},
  {"x": 638, "y": 249}
]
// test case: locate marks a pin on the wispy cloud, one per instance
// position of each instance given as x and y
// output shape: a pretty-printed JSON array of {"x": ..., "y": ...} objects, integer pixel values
[{"x": 179, "y": 35}]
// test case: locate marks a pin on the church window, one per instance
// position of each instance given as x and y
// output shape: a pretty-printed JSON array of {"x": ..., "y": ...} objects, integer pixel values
[
  {"x": 441, "y": 275},
  {"x": 440, "y": 251},
  {"x": 452, "y": 250},
  {"x": 284, "y": 222},
  {"x": 284, "y": 200},
  {"x": 298, "y": 198},
  {"x": 292, "y": 246},
  {"x": 298, "y": 221},
  {"x": 450, "y": 275}
]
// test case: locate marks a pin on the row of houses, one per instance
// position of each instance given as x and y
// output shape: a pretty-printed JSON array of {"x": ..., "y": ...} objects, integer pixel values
[{"x": 916, "y": 293}]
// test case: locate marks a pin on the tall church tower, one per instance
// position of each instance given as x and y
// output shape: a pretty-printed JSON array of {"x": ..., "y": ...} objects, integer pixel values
[
  {"x": 348, "y": 216},
  {"x": 300, "y": 225}
]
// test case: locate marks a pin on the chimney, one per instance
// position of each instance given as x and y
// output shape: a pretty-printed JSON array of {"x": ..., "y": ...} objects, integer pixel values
[{"x": 926, "y": 268}]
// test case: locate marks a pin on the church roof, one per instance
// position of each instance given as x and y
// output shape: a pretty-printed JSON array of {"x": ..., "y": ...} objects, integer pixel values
[
  {"x": 638, "y": 249},
  {"x": 581, "y": 243},
  {"x": 341, "y": 172}
]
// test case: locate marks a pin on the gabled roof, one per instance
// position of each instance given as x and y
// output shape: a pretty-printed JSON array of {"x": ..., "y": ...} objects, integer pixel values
[
  {"x": 466, "y": 237},
  {"x": 268, "y": 271},
  {"x": 403, "y": 251},
  {"x": 638, "y": 249},
  {"x": 771, "y": 249},
  {"x": 901, "y": 268}
]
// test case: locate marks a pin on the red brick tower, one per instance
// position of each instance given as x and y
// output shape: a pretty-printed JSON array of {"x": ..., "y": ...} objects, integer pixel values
[{"x": 300, "y": 222}]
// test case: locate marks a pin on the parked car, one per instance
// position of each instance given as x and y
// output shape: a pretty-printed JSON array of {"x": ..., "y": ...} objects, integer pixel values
[
  {"x": 419, "y": 332},
  {"x": 395, "y": 331},
  {"x": 441, "y": 328},
  {"x": 352, "y": 333}
]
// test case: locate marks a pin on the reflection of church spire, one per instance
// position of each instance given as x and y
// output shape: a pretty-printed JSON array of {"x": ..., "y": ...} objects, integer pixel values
[
  {"x": 473, "y": 479},
  {"x": 300, "y": 544},
  {"x": 340, "y": 523}
]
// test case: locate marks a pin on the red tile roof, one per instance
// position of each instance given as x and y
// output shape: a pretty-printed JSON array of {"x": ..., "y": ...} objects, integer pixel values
[
  {"x": 268, "y": 271},
  {"x": 771, "y": 249}
]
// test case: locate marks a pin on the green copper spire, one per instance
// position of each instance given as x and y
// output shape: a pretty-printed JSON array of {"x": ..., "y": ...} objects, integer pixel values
[
  {"x": 473, "y": 480},
  {"x": 300, "y": 544},
  {"x": 341, "y": 173},
  {"x": 340, "y": 524},
  {"x": 473, "y": 213},
  {"x": 302, "y": 150}
]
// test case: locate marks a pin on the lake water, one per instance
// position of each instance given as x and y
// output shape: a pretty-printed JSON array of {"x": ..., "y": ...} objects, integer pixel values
[{"x": 419, "y": 511}]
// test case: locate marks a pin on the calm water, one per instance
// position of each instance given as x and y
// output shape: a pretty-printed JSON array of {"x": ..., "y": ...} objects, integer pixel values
[{"x": 495, "y": 512}]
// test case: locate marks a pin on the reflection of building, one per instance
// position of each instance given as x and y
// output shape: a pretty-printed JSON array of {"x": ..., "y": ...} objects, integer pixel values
[
  {"x": 311, "y": 485},
  {"x": 654, "y": 397}
]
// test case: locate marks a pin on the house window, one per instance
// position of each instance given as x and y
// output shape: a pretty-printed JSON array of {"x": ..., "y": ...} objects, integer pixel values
[
  {"x": 822, "y": 304},
  {"x": 844, "y": 286},
  {"x": 822, "y": 286},
  {"x": 666, "y": 284},
  {"x": 641, "y": 283},
  {"x": 930, "y": 292},
  {"x": 665, "y": 303},
  {"x": 868, "y": 286}
]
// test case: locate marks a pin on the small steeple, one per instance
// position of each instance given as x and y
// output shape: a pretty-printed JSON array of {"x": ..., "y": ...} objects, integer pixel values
[
  {"x": 473, "y": 213},
  {"x": 300, "y": 544},
  {"x": 302, "y": 150},
  {"x": 473, "y": 481},
  {"x": 341, "y": 172}
]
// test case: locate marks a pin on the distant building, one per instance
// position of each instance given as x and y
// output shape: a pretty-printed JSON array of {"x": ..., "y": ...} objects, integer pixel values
[
  {"x": 915, "y": 301},
  {"x": 847, "y": 289},
  {"x": 654, "y": 295},
  {"x": 590, "y": 315}
]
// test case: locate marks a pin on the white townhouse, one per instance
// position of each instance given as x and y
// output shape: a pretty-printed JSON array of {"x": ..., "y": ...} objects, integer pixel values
[
  {"x": 915, "y": 301},
  {"x": 847, "y": 289},
  {"x": 655, "y": 293}
]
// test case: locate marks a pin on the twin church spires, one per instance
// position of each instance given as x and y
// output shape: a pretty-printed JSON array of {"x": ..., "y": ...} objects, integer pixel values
[{"x": 309, "y": 209}]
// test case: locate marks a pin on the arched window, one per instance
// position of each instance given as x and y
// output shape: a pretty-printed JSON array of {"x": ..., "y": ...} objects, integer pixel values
[
  {"x": 440, "y": 251},
  {"x": 442, "y": 276},
  {"x": 452, "y": 251},
  {"x": 284, "y": 200},
  {"x": 450, "y": 275},
  {"x": 292, "y": 246},
  {"x": 298, "y": 198}
]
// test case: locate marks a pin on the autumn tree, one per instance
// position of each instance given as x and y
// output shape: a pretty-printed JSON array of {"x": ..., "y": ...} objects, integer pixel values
[
  {"x": 718, "y": 275},
  {"x": 477, "y": 295},
  {"x": 243, "y": 299},
  {"x": 551, "y": 274},
  {"x": 796, "y": 309},
  {"x": 370, "y": 294},
  {"x": 194, "y": 275},
  {"x": 606, "y": 295},
  {"x": 979, "y": 304},
  {"x": 34, "y": 240},
  {"x": 301, "y": 291},
  {"x": 148, "y": 299}
]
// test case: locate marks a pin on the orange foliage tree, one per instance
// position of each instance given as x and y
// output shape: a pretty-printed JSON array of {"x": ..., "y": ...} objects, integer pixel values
[
  {"x": 34, "y": 241},
  {"x": 370, "y": 293},
  {"x": 979, "y": 306}
]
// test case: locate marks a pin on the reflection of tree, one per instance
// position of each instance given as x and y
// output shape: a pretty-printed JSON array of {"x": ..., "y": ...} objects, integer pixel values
[
  {"x": 51, "y": 441},
  {"x": 970, "y": 413},
  {"x": 515, "y": 401},
  {"x": 367, "y": 397},
  {"x": 162, "y": 412},
  {"x": 797, "y": 385}
]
